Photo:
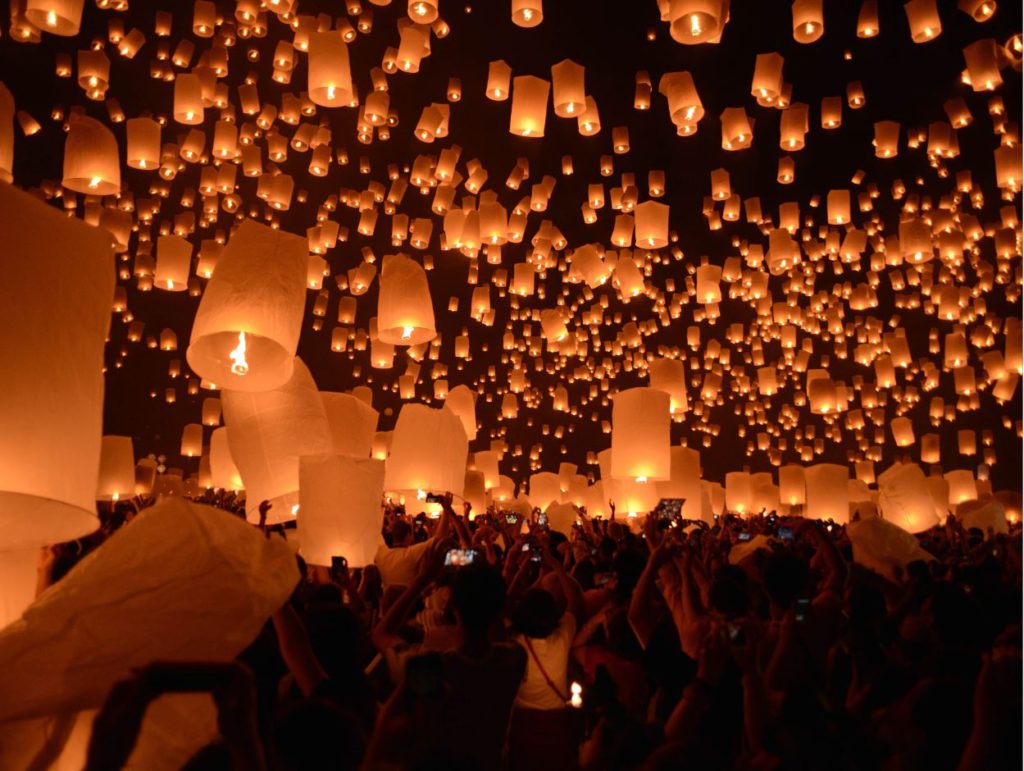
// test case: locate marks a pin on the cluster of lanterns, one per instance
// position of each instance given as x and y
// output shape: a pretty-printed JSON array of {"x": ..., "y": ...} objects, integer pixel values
[{"x": 622, "y": 329}]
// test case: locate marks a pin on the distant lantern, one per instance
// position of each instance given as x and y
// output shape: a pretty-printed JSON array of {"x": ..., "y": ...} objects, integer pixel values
[
  {"x": 461, "y": 400},
  {"x": 143, "y": 150},
  {"x": 568, "y": 94},
  {"x": 340, "y": 509},
  {"x": 887, "y": 139},
  {"x": 6, "y": 134},
  {"x": 192, "y": 440},
  {"x": 428, "y": 452},
  {"x": 499, "y": 78},
  {"x": 828, "y": 495},
  {"x": 423, "y": 11},
  {"x": 247, "y": 325},
  {"x": 54, "y": 319},
  {"x": 91, "y": 162},
  {"x": 838, "y": 207},
  {"x": 739, "y": 492},
  {"x": 527, "y": 13},
  {"x": 405, "y": 312},
  {"x": 1008, "y": 168},
  {"x": 652, "y": 225},
  {"x": 808, "y": 20},
  {"x": 529, "y": 106},
  {"x": 188, "y": 99},
  {"x": 352, "y": 422},
  {"x": 709, "y": 279},
  {"x": 267, "y": 433},
  {"x": 116, "y": 478},
  {"x": 792, "y": 485},
  {"x": 58, "y": 17},
  {"x": 641, "y": 435},
  {"x": 697, "y": 21},
  {"x": 923, "y": 17},
  {"x": 173, "y": 263},
  {"x": 766, "y": 86},
  {"x": 330, "y": 74},
  {"x": 224, "y": 473}
]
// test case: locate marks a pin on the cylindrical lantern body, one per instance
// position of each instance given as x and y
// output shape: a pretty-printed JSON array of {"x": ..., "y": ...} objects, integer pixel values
[
  {"x": 792, "y": 486},
  {"x": 545, "y": 489},
  {"x": 224, "y": 473},
  {"x": 143, "y": 143},
  {"x": 529, "y": 106},
  {"x": 91, "y": 162},
  {"x": 462, "y": 401},
  {"x": 117, "y": 469},
  {"x": 669, "y": 375},
  {"x": 58, "y": 17},
  {"x": 340, "y": 508},
  {"x": 267, "y": 432},
  {"x": 904, "y": 498},
  {"x": 641, "y": 445},
  {"x": 428, "y": 452},
  {"x": 257, "y": 290},
  {"x": 684, "y": 481},
  {"x": 405, "y": 312},
  {"x": 353, "y": 424},
  {"x": 173, "y": 263},
  {"x": 330, "y": 74},
  {"x": 828, "y": 494},
  {"x": 54, "y": 316}
]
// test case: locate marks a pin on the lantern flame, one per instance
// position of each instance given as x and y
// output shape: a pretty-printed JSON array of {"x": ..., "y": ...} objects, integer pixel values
[
  {"x": 695, "y": 28},
  {"x": 407, "y": 333},
  {"x": 239, "y": 366},
  {"x": 51, "y": 19},
  {"x": 95, "y": 182}
]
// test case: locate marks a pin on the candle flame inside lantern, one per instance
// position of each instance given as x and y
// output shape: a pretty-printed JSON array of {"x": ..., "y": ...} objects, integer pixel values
[
  {"x": 51, "y": 19},
  {"x": 407, "y": 333},
  {"x": 330, "y": 92},
  {"x": 239, "y": 366},
  {"x": 95, "y": 182},
  {"x": 695, "y": 28},
  {"x": 641, "y": 480}
]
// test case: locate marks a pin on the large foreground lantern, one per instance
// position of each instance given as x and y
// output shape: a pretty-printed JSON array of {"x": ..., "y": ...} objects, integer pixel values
[
  {"x": 340, "y": 508},
  {"x": 428, "y": 452},
  {"x": 405, "y": 313},
  {"x": 828, "y": 494},
  {"x": 247, "y": 326},
  {"x": 641, "y": 445},
  {"x": 684, "y": 481},
  {"x": 267, "y": 433},
  {"x": 54, "y": 315},
  {"x": 330, "y": 75},
  {"x": 91, "y": 163},
  {"x": 904, "y": 498},
  {"x": 352, "y": 423},
  {"x": 529, "y": 106}
]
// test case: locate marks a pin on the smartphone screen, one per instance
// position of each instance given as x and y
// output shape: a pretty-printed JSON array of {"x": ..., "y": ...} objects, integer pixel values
[
  {"x": 786, "y": 534},
  {"x": 542, "y": 519},
  {"x": 511, "y": 519},
  {"x": 743, "y": 537},
  {"x": 670, "y": 508},
  {"x": 338, "y": 566},
  {"x": 802, "y": 607},
  {"x": 536, "y": 554},
  {"x": 459, "y": 557}
]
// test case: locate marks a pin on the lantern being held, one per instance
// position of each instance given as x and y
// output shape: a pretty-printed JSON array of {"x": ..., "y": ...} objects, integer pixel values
[
  {"x": 428, "y": 452},
  {"x": 640, "y": 435},
  {"x": 54, "y": 318},
  {"x": 247, "y": 326}
]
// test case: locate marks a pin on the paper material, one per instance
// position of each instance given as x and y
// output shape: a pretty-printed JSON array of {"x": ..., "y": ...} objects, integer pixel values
[
  {"x": 884, "y": 547},
  {"x": 181, "y": 582}
]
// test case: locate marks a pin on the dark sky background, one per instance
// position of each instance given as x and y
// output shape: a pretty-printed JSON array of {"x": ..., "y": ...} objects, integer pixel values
[{"x": 903, "y": 81}]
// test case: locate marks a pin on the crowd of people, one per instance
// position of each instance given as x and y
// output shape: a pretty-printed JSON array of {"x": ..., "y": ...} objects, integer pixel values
[{"x": 487, "y": 642}]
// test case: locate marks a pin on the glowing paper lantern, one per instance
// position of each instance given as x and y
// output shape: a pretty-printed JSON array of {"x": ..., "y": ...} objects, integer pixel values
[
  {"x": 6, "y": 134},
  {"x": 962, "y": 487},
  {"x": 247, "y": 325},
  {"x": 428, "y": 452},
  {"x": 529, "y": 106},
  {"x": 143, "y": 143},
  {"x": 669, "y": 375},
  {"x": 792, "y": 485},
  {"x": 330, "y": 74},
  {"x": 828, "y": 495},
  {"x": 340, "y": 508},
  {"x": 652, "y": 225},
  {"x": 405, "y": 312},
  {"x": 173, "y": 263},
  {"x": 923, "y": 16},
  {"x": 884, "y": 547},
  {"x": 684, "y": 481},
  {"x": 58, "y": 17},
  {"x": 697, "y": 21},
  {"x": 569, "y": 96},
  {"x": 352, "y": 422},
  {"x": 739, "y": 492},
  {"x": 527, "y": 13},
  {"x": 117, "y": 469},
  {"x": 545, "y": 490},
  {"x": 808, "y": 20},
  {"x": 462, "y": 401},
  {"x": 267, "y": 433},
  {"x": 91, "y": 163},
  {"x": 904, "y": 498},
  {"x": 641, "y": 447},
  {"x": 54, "y": 317},
  {"x": 224, "y": 473}
]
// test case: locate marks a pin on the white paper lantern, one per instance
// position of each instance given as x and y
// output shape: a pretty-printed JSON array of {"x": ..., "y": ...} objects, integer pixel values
[
  {"x": 904, "y": 498},
  {"x": 828, "y": 495},
  {"x": 462, "y": 401},
  {"x": 352, "y": 422},
  {"x": 641, "y": 436},
  {"x": 405, "y": 313},
  {"x": 55, "y": 301},
  {"x": 267, "y": 432},
  {"x": 223, "y": 471},
  {"x": 684, "y": 481},
  {"x": 428, "y": 452},
  {"x": 247, "y": 326},
  {"x": 340, "y": 508},
  {"x": 117, "y": 469},
  {"x": 669, "y": 375},
  {"x": 545, "y": 489}
]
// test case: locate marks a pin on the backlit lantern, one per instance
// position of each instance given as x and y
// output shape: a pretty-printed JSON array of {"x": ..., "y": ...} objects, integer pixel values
[
  {"x": 808, "y": 20},
  {"x": 352, "y": 423},
  {"x": 902, "y": 431},
  {"x": 641, "y": 435},
  {"x": 651, "y": 225},
  {"x": 330, "y": 74},
  {"x": 983, "y": 60},
  {"x": 267, "y": 433},
  {"x": 553, "y": 326},
  {"x": 887, "y": 139},
  {"x": 405, "y": 312},
  {"x": 529, "y": 106},
  {"x": 247, "y": 325},
  {"x": 905, "y": 499},
  {"x": 499, "y": 76},
  {"x": 188, "y": 99},
  {"x": 54, "y": 319},
  {"x": 684, "y": 481},
  {"x": 421, "y": 12},
  {"x": 340, "y": 508},
  {"x": 838, "y": 207},
  {"x": 1008, "y": 168},
  {"x": 568, "y": 94},
  {"x": 697, "y": 21},
  {"x": 192, "y": 440},
  {"x": 428, "y": 452},
  {"x": 143, "y": 143},
  {"x": 462, "y": 401},
  {"x": 709, "y": 279},
  {"x": 828, "y": 494},
  {"x": 545, "y": 490},
  {"x": 527, "y": 13},
  {"x": 116, "y": 479},
  {"x": 739, "y": 492},
  {"x": 867, "y": 19},
  {"x": 736, "y": 131},
  {"x": 923, "y": 17},
  {"x": 58, "y": 17},
  {"x": 173, "y": 262},
  {"x": 6, "y": 134},
  {"x": 223, "y": 471},
  {"x": 684, "y": 104},
  {"x": 767, "y": 82},
  {"x": 588, "y": 263},
  {"x": 669, "y": 375},
  {"x": 91, "y": 163},
  {"x": 962, "y": 487},
  {"x": 792, "y": 485}
]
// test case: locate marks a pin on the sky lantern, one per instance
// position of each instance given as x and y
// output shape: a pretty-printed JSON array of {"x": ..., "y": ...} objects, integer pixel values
[
  {"x": 57, "y": 17},
  {"x": 330, "y": 75},
  {"x": 173, "y": 263},
  {"x": 545, "y": 490},
  {"x": 188, "y": 99},
  {"x": 529, "y": 106},
  {"x": 6, "y": 134},
  {"x": 641, "y": 436},
  {"x": 339, "y": 508},
  {"x": 143, "y": 150},
  {"x": 224, "y": 474},
  {"x": 461, "y": 400},
  {"x": 116, "y": 478},
  {"x": 652, "y": 225},
  {"x": 828, "y": 495},
  {"x": 405, "y": 312},
  {"x": 697, "y": 21},
  {"x": 247, "y": 325},
  {"x": 54, "y": 318},
  {"x": 669, "y": 375},
  {"x": 739, "y": 493},
  {"x": 267, "y": 433},
  {"x": 808, "y": 20},
  {"x": 428, "y": 452},
  {"x": 527, "y": 13},
  {"x": 568, "y": 94},
  {"x": 923, "y": 17},
  {"x": 91, "y": 162},
  {"x": 352, "y": 423},
  {"x": 904, "y": 498}
]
